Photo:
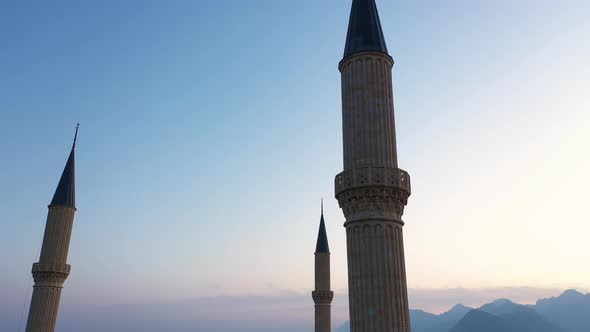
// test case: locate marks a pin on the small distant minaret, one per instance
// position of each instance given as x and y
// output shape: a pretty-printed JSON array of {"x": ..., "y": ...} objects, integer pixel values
[
  {"x": 322, "y": 295},
  {"x": 52, "y": 269}
]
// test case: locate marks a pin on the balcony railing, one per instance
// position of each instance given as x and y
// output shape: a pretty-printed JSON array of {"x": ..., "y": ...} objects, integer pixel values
[{"x": 372, "y": 176}]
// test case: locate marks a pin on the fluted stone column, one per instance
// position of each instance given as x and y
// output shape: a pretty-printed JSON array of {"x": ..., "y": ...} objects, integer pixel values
[
  {"x": 51, "y": 271},
  {"x": 367, "y": 116},
  {"x": 372, "y": 191}
]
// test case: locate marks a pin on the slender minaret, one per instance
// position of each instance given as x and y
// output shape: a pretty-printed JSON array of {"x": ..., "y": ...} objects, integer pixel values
[
  {"x": 322, "y": 295},
  {"x": 372, "y": 191},
  {"x": 51, "y": 271}
]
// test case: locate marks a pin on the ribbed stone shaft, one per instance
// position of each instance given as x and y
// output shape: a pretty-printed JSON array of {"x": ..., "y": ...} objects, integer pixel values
[
  {"x": 376, "y": 273},
  {"x": 372, "y": 193},
  {"x": 52, "y": 270},
  {"x": 367, "y": 111},
  {"x": 56, "y": 240},
  {"x": 322, "y": 295},
  {"x": 44, "y": 308}
]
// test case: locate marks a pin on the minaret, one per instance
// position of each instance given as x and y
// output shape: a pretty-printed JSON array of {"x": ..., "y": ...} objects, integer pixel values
[
  {"x": 322, "y": 295},
  {"x": 372, "y": 191},
  {"x": 51, "y": 271}
]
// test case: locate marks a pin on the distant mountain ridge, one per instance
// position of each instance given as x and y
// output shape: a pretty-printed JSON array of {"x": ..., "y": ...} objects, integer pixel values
[
  {"x": 435, "y": 323},
  {"x": 569, "y": 312},
  {"x": 519, "y": 321},
  {"x": 502, "y": 307}
]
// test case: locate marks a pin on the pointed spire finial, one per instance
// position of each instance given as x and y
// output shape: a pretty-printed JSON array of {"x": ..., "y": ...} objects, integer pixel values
[
  {"x": 76, "y": 135},
  {"x": 65, "y": 194},
  {"x": 322, "y": 243},
  {"x": 364, "y": 29}
]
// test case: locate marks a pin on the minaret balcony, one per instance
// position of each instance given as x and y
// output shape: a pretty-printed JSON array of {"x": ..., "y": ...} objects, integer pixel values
[
  {"x": 322, "y": 296},
  {"x": 373, "y": 177},
  {"x": 373, "y": 193},
  {"x": 50, "y": 275},
  {"x": 62, "y": 268}
]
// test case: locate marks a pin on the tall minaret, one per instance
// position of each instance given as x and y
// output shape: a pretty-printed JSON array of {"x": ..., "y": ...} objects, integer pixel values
[
  {"x": 51, "y": 271},
  {"x": 372, "y": 191},
  {"x": 322, "y": 295}
]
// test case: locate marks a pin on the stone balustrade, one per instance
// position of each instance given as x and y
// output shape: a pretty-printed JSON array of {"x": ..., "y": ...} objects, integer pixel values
[{"x": 372, "y": 177}]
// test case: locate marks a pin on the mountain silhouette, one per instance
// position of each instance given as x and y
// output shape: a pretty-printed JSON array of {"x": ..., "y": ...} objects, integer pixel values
[
  {"x": 437, "y": 323},
  {"x": 481, "y": 321},
  {"x": 502, "y": 307},
  {"x": 523, "y": 319},
  {"x": 569, "y": 312},
  {"x": 423, "y": 321}
]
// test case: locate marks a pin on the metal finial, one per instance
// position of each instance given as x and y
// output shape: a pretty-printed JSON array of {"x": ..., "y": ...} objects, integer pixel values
[
  {"x": 322, "y": 200},
  {"x": 76, "y": 135}
]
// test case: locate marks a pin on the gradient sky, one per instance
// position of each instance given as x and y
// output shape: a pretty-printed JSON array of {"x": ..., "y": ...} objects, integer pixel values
[{"x": 211, "y": 129}]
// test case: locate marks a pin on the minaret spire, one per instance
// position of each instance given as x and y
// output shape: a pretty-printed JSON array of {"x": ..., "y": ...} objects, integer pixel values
[
  {"x": 322, "y": 242},
  {"x": 52, "y": 270},
  {"x": 322, "y": 295},
  {"x": 65, "y": 193},
  {"x": 364, "y": 29}
]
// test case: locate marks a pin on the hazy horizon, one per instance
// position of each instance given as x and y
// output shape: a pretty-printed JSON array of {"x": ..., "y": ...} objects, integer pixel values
[
  {"x": 210, "y": 131},
  {"x": 287, "y": 310}
]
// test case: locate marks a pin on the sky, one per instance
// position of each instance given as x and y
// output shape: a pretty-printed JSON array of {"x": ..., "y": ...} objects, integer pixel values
[{"x": 210, "y": 130}]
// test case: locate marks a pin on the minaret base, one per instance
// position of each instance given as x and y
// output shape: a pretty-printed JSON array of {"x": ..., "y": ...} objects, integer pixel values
[
  {"x": 323, "y": 310},
  {"x": 377, "y": 277},
  {"x": 44, "y": 307},
  {"x": 46, "y": 294}
]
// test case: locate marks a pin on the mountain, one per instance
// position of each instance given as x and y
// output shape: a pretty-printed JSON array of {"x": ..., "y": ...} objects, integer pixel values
[
  {"x": 456, "y": 313},
  {"x": 522, "y": 320},
  {"x": 440, "y": 323},
  {"x": 570, "y": 311},
  {"x": 423, "y": 321},
  {"x": 529, "y": 320},
  {"x": 481, "y": 321},
  {"x": 502, "y": 307}
]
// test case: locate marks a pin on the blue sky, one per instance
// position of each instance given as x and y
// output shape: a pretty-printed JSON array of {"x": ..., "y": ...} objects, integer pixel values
[{"x": 211, "y": 129}]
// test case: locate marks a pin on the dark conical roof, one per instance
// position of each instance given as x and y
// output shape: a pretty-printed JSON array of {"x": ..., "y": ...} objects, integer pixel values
[
  {"x": 322, "y": 244},
  {"x": 65, "y": 194},
  {"x": 364, "y": 29}
]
